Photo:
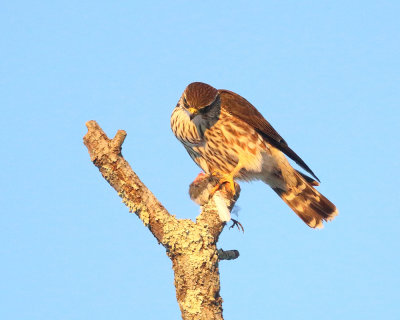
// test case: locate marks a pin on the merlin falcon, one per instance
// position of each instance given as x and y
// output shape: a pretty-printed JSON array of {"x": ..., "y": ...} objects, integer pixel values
[{"x": 225, "y": 134}]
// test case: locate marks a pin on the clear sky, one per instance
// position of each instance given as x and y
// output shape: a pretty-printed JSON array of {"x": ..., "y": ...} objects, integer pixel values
[{"x": 325, "y": 74}]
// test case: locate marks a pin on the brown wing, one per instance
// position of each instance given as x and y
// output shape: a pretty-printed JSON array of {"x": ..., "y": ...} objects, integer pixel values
[{"x": 244, "y": 110}]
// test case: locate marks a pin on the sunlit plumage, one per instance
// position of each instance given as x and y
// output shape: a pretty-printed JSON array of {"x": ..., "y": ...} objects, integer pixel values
[{"x": 223, "y": 133}]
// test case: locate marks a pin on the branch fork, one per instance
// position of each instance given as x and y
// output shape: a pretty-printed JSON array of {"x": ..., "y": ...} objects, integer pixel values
[{"x": 190, "y": 245}]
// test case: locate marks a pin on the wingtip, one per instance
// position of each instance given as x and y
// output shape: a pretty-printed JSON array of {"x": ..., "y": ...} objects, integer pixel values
[{"x": 313, "y": 174}]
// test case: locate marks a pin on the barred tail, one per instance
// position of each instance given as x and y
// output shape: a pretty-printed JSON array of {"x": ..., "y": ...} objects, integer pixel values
[{"x": 310, "y": 205}]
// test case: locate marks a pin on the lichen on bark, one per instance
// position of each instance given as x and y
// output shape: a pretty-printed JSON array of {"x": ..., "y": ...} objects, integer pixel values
[{"x": 191, "y": 246}]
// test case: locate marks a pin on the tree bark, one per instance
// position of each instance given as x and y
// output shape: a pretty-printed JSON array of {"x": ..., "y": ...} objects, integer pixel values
[{"x": 190, "y": 245}]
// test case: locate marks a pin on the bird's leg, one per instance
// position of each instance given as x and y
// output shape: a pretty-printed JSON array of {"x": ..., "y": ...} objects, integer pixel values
[
  {"x": 228, "y": 178},
  {"x": 224, "y": 178}
]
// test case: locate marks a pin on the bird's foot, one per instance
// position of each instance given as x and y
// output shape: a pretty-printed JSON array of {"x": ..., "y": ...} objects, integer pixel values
[
  {"x": 225, "y": 178},
  {"x": 237, "y": 224}
]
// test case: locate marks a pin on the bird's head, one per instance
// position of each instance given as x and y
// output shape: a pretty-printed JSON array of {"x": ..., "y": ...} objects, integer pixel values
[{"x": 199, "y": 98}]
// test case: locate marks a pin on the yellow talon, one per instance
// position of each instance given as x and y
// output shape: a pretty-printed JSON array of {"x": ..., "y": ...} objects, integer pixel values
[{"x": 227, "y": 178}]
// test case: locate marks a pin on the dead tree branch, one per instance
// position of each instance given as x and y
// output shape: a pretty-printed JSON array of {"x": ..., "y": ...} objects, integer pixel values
[{"x": 190, "y": 245}]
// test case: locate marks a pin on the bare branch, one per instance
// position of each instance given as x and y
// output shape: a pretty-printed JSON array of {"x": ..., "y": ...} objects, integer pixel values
[
  {"x": 190, "y": 245},
  {"x": 106, "y": 155}
]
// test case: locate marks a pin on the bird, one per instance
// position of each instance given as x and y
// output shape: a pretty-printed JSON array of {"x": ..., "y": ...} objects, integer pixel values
[{"x": 227, "y": 136}]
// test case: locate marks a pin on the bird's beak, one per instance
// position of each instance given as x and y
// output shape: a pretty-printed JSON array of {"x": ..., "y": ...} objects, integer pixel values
[{"x": 193, "y": 112}]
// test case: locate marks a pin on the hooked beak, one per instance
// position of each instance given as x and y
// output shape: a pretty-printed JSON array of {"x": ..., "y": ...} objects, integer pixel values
[{"x": 193, "y": 113}]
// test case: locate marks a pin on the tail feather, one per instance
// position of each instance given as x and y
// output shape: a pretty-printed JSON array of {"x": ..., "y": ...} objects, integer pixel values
[{"x": 310, "y": 205}]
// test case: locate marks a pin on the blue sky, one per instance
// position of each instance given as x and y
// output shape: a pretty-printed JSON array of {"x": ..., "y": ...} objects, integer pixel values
[{"x": 325, "y": 74}]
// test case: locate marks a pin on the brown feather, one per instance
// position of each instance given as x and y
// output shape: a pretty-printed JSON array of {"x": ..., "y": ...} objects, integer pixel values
[
  {"x": 199, "y": 94},
  {"x": 311, "y": 181},
  {"x": 239, "y": 107},
  {"x": 310, "y": 205}
]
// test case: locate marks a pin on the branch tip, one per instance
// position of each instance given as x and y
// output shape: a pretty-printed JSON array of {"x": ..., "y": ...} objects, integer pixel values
[
  {"x": 119, "y": 138},
  {"x": 91, "y": 124}
]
